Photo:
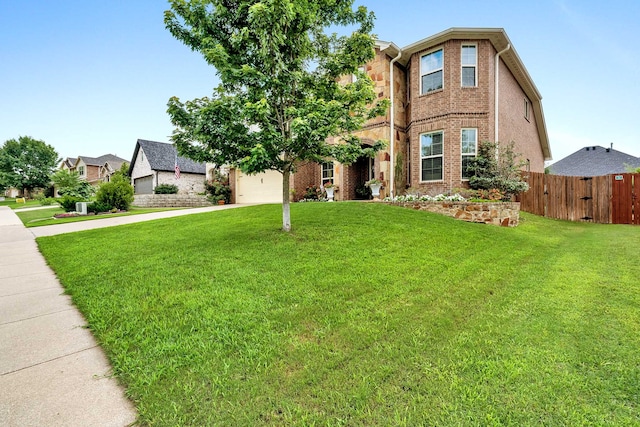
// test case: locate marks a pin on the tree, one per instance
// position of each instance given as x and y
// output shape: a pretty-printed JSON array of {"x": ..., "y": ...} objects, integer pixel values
[
  {"x": 70, "y": 184},
  {"x": 495, "y": 167},
  {"x": 27, "y": 163},
  {"x": 280, "y": 98}
]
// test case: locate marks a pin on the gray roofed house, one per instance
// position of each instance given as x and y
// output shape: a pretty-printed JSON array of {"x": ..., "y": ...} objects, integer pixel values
[
  {"x": 94, "y": 170},
  {"x": 594, "y": 161},
  {"x": 153, "y": 163}
]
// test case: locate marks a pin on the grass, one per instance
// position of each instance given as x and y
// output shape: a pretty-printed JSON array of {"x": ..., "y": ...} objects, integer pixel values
[
  {"x": 40, "y": 217},
  {"x": 364, "y": 315},
  {"x": 11, "y": 202}
]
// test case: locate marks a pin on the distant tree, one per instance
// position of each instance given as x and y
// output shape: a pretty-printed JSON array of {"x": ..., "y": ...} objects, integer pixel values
[
  {"x": 69, "y": 183},
  {"x": 27, "y": 163},
  {"x": 279, "y": 98}
]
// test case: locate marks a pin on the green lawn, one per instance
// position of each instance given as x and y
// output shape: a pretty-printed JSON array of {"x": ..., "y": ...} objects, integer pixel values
[
  {"x": 40, "y": 217},
  {"x": 365, "y": 314},
  {"x": 13, "y": 205}
]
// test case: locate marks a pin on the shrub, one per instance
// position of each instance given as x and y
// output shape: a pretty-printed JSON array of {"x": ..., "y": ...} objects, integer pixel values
[
  {"x": 218, "y": 188},
  {"x": 47, "y": 201},
  {"x": 98, "y": 207},
  {"x": 117, "y": 194},
  {"x": 68, "y": 203},
  {"x": 166, "y": 189},
  {"x": 495, "y": 168}
]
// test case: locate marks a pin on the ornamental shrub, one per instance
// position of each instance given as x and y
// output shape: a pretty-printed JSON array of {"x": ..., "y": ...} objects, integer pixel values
[
  {"x": 495, "y": 167},
  {"x": 117, "y": 194},
  {"x": 68, "y": 203},
  {"x": 166, "y": 189},
  {"x": 98, "y": 207}
]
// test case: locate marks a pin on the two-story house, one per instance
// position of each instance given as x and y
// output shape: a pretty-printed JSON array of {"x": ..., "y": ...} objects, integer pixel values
[
  {"x": 94, "y": 170},
  {"x": 448, "y": 92}
]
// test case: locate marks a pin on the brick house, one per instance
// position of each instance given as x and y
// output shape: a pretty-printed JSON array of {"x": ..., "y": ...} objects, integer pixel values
[
  {"x": 94, "y": 170},
  {"x": 450, "y": 92}
]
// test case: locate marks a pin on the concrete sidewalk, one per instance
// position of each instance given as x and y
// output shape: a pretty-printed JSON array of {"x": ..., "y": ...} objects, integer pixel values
[{"x": 52, "y": 372}]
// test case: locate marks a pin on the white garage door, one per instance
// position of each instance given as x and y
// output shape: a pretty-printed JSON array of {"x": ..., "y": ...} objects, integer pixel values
[{"x": 264, "y": 187}]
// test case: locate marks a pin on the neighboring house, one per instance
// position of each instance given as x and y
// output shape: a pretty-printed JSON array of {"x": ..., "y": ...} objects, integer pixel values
[
  {"x": 451, "y": 91},
  {"x": 595, "y": 161},
  {"x": 94, "y": 170},
  {"x": 153, "y": 163}
]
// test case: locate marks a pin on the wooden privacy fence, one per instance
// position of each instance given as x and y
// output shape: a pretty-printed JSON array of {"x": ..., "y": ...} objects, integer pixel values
[{"x": 609, "y": 199}]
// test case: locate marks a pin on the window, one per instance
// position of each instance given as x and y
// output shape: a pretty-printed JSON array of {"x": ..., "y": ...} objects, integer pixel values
[
  {"x": 431, "y": 156},
  {"x": 81, "y": 170},
  {"x": 354, "y": 77},
  {"x": 327, "y": 172},
  {"x": 469, "y": 63},
  {"x": 469, "y": 146},
  {"x": 431, "y": 71},
  {"x": 527, "y": 109}
]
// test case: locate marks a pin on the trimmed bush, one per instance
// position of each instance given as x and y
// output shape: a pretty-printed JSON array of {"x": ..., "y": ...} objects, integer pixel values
[
  {"x": 166, "y": 189},
  {"x": 68, "y": 203},
  {"x": 98, "y": 207},
  {"x": 117, "y": 194}
]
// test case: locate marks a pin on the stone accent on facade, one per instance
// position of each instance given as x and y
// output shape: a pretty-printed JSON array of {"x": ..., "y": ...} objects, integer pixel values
[
  {"x": 170, "y": 201},
  {"x": 505, "y": 214}
]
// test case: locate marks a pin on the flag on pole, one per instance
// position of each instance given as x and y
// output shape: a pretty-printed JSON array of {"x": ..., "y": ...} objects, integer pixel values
[{"x": 177, "y": 168}]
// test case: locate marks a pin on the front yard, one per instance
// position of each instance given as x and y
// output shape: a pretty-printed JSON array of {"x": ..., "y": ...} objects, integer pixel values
[
  {"x": 40, "y": 217},
  {"x": 366, "y": 314}
]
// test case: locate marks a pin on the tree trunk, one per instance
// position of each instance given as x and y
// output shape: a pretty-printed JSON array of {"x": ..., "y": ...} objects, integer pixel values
[{"x": 286, "y": 212}]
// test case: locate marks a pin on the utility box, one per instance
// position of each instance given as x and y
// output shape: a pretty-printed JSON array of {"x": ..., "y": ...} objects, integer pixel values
[{"x": 81, "y": 208}]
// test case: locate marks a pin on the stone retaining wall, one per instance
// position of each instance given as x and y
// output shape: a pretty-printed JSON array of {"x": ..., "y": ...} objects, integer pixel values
[
  {"x": 505, "y": 214},
  {"x": 169, "y": 201}
]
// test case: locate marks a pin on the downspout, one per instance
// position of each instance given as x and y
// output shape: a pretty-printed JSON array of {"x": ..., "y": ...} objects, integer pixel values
[
  {"x": 497, "y": 74},
  {"x": 392, "y": 132}
]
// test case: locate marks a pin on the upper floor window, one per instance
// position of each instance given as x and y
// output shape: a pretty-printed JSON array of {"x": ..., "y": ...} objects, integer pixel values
[
  {"x": 527, "y": 109},
  {"x": 431, "y": 156},
  {"x": 431, "y": 72},
  {"x": 469, "y": 149},
  {"x": 327, "y": 172},
  {"x": 81, "y": 170},
  {"x": 469, "y": 61}
]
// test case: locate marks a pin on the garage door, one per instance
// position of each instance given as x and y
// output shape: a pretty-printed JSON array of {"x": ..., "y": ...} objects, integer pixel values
[
  {"x": 264, "y": 187},
  {"x": 143, "y": 185}
]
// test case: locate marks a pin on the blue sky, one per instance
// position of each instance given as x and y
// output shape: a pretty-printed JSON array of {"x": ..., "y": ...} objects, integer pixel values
[{"x": 90, "y": 77}]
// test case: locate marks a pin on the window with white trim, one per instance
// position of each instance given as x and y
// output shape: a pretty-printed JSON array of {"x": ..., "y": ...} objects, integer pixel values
[
  {"x": 431, "y": 157},
  {"x": 327, "y": 172},
  {"x": 81, "y": 170},
  {"x": 469, "y": 149},
  {"x": 431, "y": 74},
  {"x": 527, "y": 109},
  {"x": 469, "y": 61},
  {"x": 354, "y": 77}
]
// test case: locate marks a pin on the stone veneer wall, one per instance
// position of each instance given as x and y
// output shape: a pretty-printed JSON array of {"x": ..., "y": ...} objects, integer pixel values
[
  {"x": 505, "y": 214},
  {"x": 169, "y": 201}
]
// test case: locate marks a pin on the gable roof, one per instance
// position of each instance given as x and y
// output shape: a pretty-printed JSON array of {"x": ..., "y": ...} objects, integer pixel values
[
  {"x": 594, "y": 161},
  {"x": 162, "y": 157},
  {"x": 100, "y": 161},
  {"x": 500, "y": 41}
]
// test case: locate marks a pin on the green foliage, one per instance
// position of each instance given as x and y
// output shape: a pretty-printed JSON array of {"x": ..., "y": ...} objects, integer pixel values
[
  {"x": 439, "y": 323},
  {"x": 26, "y": 163},
  {"x": 218, "y": 188},
  {"x": 495, "y": 167},
  {"x": 68, "y": 203},
  {"x": 98, "y": 207},
  {"x": 71, "y": 184},
  {"x": 166, "y": 189},
  {"x": 118, "y": 193},
  {"x": 280, "y": 97},
  {"x": 47, "y": 201}
]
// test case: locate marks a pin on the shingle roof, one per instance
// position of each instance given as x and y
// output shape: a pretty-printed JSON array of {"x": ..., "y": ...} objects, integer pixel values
[
  {"x": 162, "y": 157},
  {"x": 100, "y": 161},
  {"x": 594, "y": 161}
]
